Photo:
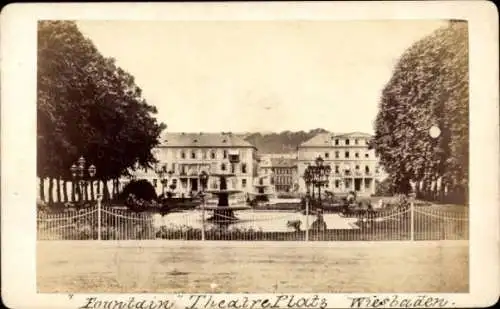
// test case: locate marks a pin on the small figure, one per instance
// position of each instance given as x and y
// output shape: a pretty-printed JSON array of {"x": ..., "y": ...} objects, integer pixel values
[{"x": 295, "y": 224}]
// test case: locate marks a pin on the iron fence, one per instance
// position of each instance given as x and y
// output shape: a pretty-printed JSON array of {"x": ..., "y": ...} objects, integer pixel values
[{"x": 107, "y": 223}]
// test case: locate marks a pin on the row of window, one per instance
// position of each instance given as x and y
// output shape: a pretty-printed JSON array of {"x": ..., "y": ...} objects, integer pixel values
[
  {"x": 357, "y": 168},
  {"x": 183, "y": 169},
  {"x": 243, "y": 169},
  {"x": 348, "y": 185},
  {"x": 346, "y": 155},
  {"x": 348, "y": 141},
  {"x": 214, "y": 184},
  {"x": 282, "y": 171},
  {"x": 212, "y": 154},
  {"x": 281, "y": 180}
]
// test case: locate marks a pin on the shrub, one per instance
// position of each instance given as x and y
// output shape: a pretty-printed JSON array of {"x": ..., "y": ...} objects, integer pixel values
[
  {"x": 141, "y": 189},
  {"x": 41, "y": 206}
]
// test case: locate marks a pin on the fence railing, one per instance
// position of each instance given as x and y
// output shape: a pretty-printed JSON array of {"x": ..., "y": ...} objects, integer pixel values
[{"x": 107, "y": 223}]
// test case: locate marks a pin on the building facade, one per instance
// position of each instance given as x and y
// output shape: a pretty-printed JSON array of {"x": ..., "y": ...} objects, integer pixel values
[
  {"x": 183, "y": 156},
  {"x": 284, "y": 174},
  {"x": 263, "y": 182},
  {"x": 354, "y": 167}
]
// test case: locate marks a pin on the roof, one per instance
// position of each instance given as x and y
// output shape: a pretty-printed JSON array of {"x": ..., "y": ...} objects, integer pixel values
[
  {"x": 174, "y": 139},
  {"x": 283, "y": 162},
  {"x": 325, "y": 139}
]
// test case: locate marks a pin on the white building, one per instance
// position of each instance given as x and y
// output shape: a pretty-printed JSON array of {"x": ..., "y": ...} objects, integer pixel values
[
  {"x": 354, "y": 167},
  {"x": 185, "y": 155}
]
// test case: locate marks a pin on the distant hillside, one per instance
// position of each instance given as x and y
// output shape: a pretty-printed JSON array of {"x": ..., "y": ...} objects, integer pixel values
[{"x": 283, "y": 142}]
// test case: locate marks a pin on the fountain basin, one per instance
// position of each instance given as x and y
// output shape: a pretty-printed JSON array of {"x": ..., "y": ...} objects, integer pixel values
[{"x": 230, "y": 207}]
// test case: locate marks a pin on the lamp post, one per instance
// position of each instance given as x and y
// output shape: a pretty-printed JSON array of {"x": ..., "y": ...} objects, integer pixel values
[
  {"x": 78, "y": 173},
  {"x": 320, "y": 174},
  {"x": 308, "y": 181},
  {"x": 162, "y": 172},
  {"x": 434, "y": 133},
  {"x": 203, "y": 183}
]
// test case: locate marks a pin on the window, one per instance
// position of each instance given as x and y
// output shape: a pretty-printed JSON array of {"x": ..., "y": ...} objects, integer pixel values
[
  {"x": 367, "y": 155},
  {"x": 212, "y": 155},
  {"x": 336, "y": 154},
  {"x": 243, "y": 168},
  {"x": 173, "y": 167},
  {"x": 367, "y": 169},
  {"x": 347, "y": 142},
  {"x": 243, "y": 183},
  {"x": 223, "y": 167},
  {"x": 327, "y": 155},
  {"x": 183, "y": 155},
  {"x": 193, "y": 155},
  {"x": 336, "y": 169},
  {"x": 357, "y": 167},
  {"x": 224, "y": 154},
  {"x": 233, "y": 169},
  {"x": 355, "y": 141},
  {"x": 347, "y": 154},
  {"x": 336, "y": 142},
  {"x": 337, "y": 183},
  {"x": 356, "y": 154}
]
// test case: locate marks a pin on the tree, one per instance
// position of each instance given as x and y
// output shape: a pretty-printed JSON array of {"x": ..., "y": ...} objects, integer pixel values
[
  {"x": 87, "y": 106},
  {"x": 429, "y": 87}
]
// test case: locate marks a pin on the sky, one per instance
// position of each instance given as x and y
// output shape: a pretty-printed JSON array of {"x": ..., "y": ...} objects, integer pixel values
[{"x": 266, "y": 76}]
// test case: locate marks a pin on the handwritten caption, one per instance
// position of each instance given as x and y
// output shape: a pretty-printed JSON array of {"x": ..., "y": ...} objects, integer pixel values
[
  {"x": 210, "y": 302},
  {"x": 200, "y": 301},
  {"x": 396, "y": 301}
]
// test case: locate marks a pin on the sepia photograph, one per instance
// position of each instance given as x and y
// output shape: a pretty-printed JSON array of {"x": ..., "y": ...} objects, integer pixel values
[
  {"x": 266, "y": 156},
  {"x": 252, "y": 131}
]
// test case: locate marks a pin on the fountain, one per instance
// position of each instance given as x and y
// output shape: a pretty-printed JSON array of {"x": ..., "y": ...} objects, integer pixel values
[
  {"x": 223, "y": 212},
  {"x": 261, "y": 195}
]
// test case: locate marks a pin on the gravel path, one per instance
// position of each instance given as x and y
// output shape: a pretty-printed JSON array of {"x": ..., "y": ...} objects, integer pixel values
[{"x": 162, "y": 266}]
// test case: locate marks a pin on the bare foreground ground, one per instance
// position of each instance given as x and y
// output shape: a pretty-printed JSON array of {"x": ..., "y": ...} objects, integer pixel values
[{"x": 167, "y": 267}]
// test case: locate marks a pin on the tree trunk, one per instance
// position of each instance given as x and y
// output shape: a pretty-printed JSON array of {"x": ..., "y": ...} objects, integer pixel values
[
  {"x": 92, "y": 191},
  {"x": 58, "y": 189},
  {"x": 42, "y": 188},
  {"x": 86, "y": 191},
  {"x": 73, "y": 188},
  {"x": 65, "y": 191},
  {"x": 115, "y": 187},
  {"x": 51, "y": 187},
  {"x": 105, "y": 191},
  {"x": 98, "y": 187}
]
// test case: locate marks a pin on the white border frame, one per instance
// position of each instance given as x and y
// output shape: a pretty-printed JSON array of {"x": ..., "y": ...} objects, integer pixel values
[{"x": 18, "y": 43}]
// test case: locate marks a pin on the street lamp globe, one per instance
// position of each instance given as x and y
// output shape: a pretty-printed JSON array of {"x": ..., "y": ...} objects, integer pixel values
[
  {"x": 81, "y": 161},
  {"x": 319, "y": 161},
  {"x": 434, "y": 131},
  {"x": 92, "y": 170},
  {"x": 73, "y": 170}
]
